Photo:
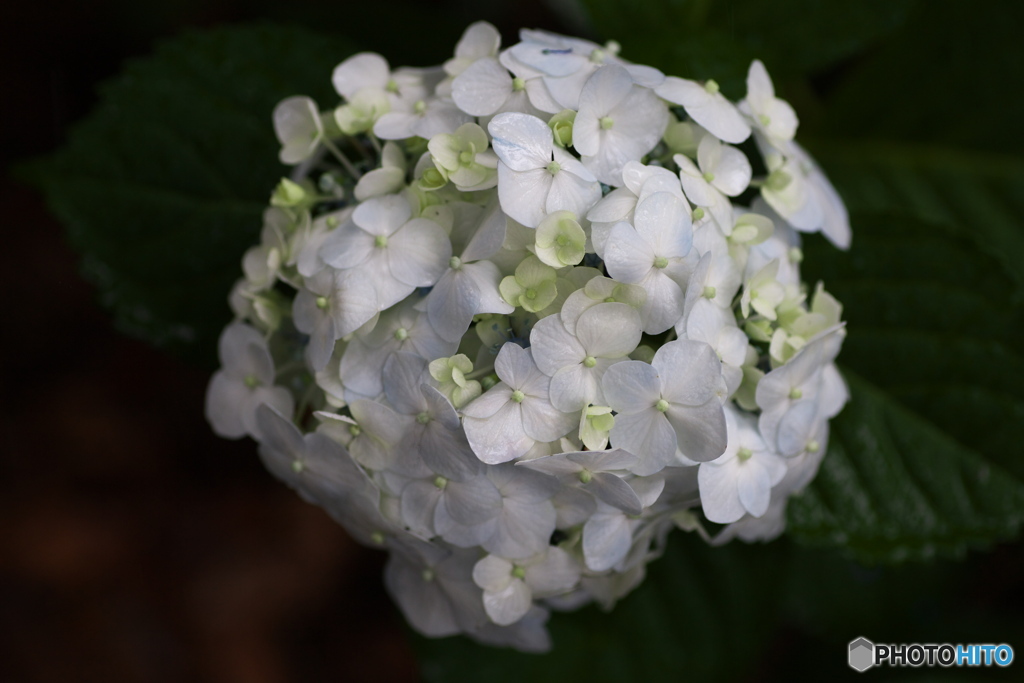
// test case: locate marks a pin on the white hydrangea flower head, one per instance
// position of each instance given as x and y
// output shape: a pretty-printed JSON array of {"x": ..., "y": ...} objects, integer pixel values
[{"x": 513, "y": 318}]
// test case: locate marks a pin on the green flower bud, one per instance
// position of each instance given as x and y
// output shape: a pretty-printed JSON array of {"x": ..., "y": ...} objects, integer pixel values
[
  {"x": 561, "y": 126},
  {"x": 288, "y": 193},
  {"x": 560, "y": 240},
  {"x": 644, "y": 353},
  {"x": 432, "y": 179},
  {"x": 682, "y": 137},
  {"x": 533, "y": 286},
  {"x": 759, "y": 330}
]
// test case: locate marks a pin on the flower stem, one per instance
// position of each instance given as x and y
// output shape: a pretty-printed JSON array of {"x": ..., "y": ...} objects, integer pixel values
[
  {"x": 480, "y": 372},
  {"x": 343, "y": 159}
]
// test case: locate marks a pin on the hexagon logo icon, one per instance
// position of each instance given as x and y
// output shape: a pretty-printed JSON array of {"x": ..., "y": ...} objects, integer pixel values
[{"x": 862, "y": 654}]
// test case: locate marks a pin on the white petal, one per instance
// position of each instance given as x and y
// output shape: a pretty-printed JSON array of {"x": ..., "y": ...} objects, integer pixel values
[
  {"x": 665, "y": 301},
  {"x": 718, "y": 492},
  {"x": 442, "y": 116},
  {"x": 573, "y": 506},
  {"x": 759, "y": 83},
  {"x": 509, "y": 605},
  {"x": 573, "y": 188},
  {"x": 613, "y": 207},
  {"x": 524, "y": 528},
  {"x": 233, "y": 343},
  {"x": 382, "y": 215},
  {"x": 648, "y": 435},
  {"x": 422, "y": 602},
  {"x": 379, "y": 420},
  {"x": 555, "y": 465},
  {"x": 628, "y": 257},
  {"x": 613, "y": 491},
  {"x": 446, "y": 451},
  {"x": 452, "y": 303},
  {"x": 631, "y": 387},
  {"x": 482, "y": 88},
  {"x": 418, "y": 253},
  {"x": 602, "y": 92},
  {"x": 489, "y": 236},
  {"x": 462, "y": 535},
  {"x": 363, "y": 70},
  {"x": 608, "y": 330},
  {"x": 544, "y": 422},
  {"x": 395, "y": 125},
  {"x": 492, "y": 573},
  {"x": 732, "y": 171},
  {"x": 473, "y": 501},
  {"x": 797, "y": 427},
  {"x": 280, "y": 433},
  {"x": 500, "y": 437},
  {"x": 552, "y": 346},
  {"x": 488, "y": 403},
  {"x": 754, "y": 488},
  {"x": 418, "y": 502},
  {"x": 346, "y": 247},
  {"x": 521, "y": 141},
  {"x": 524, "y": 195},
  {"x": 690, "y": 372},
  {"x": 606, "y": 540},
  {"x": 614, "y": 459},
  {"x": 515, "y": 366},
  {"x": 698, "y": 190},
  {"x": 358, "y": 303},
  {"x": 557, "y": 573},
  {"x": 712, "y": 111},
  {"x": 224, "y": 399},
  {"x": 523, "y": 485},
  {"x": 461, "y": 294},
  {"x": 700, "y": 430},
  {"x": 576, "y": 386},
  {"x": 379, "y": 182},
  {"x": 321, "y": 342},
  {"x": 663, "y": 220},
  {"x": 403, "y": 375}
]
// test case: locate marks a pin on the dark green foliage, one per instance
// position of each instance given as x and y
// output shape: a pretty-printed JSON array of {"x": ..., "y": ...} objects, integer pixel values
[
  {"x": 163, "y": 187},
  {"x": 718, "y": 39},
  {"x": 924, "y": 460}
]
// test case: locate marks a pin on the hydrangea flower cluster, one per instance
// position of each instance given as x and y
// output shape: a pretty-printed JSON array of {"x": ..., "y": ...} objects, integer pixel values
[{"x": 514, "y": 318}]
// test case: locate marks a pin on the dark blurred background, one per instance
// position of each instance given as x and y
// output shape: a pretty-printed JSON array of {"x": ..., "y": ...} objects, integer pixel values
[{"x": 137, "y": 546}]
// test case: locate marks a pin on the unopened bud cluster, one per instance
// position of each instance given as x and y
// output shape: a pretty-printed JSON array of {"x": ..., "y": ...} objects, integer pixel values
[{"x": 515, "y": 317}]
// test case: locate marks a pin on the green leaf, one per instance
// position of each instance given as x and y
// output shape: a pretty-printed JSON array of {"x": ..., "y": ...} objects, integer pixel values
[
  {"x": 977, "y": 195},
  {"x": 924, "y": 460},
  {"x": 700, "y": 614},
  {"x": 946, "y": 76},
  {"x": 894, "y": 487},
  {"x": 718, "y": 39},
  {"x": 163, "y": 187}
]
